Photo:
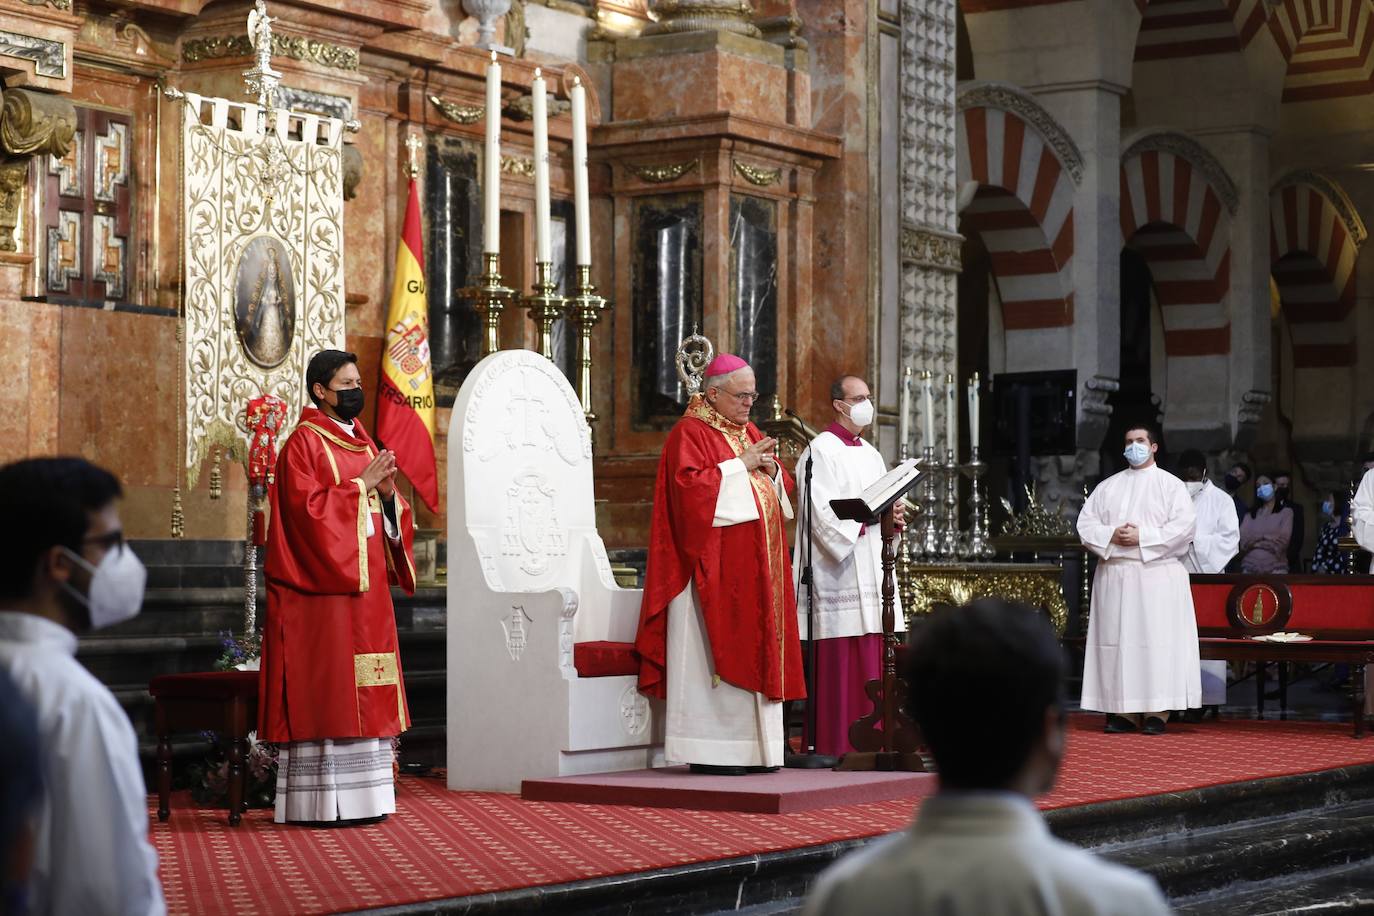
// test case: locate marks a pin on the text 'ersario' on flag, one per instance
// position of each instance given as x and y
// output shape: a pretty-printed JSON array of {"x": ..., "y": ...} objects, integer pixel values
[{"x": 405, "y": 409}]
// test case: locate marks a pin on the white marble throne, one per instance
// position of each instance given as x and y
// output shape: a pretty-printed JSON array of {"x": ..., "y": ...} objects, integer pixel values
[{"x": 528, "y": 578}]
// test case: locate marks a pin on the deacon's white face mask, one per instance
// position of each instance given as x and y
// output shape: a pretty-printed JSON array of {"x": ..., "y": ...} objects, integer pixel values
[
  {"x": 861, "y": 414},
  {"x": 116, "y": 590},
  {"x": 1137, "y": 453},
  {"x": 1194, "y": 486}
]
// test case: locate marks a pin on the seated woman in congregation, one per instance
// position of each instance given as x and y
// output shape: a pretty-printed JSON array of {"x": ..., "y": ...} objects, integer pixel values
[
  {"x": 1329, "y": 559},
  {"x": 1265, "y": 531}
]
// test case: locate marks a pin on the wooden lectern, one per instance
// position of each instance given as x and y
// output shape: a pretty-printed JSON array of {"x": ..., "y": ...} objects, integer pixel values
[{"x": 884, "y": 739}]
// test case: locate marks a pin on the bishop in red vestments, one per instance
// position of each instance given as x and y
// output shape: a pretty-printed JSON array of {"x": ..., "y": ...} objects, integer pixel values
[
  {"x": 331, "y": 693},
  {"x": 718, "y": 625}
]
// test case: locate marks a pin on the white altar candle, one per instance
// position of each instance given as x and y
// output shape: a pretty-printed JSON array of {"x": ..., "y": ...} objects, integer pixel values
[
  {"x": 927, "y": 411},
  {"x": 491, "y": 181},
  {"x": 542, "y": 252},
  {"x": 904, "y": 413},
  {"x": 973, "y": 411},
  {"x": 581, "y": 204},
  {"x": 951, "y": 416}
]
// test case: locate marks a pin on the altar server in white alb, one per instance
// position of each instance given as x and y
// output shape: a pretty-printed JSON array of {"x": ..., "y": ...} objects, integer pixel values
[
  {"x": 846, "y": 568},
  {"x": 1142, "y": 652},
  {"x": 1362, "y": 513},
  {"x": 1216, "y": 538}
]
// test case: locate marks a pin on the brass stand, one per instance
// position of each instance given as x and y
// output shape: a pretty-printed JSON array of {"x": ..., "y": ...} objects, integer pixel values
[
  {"x": 489, "y": 300},
  {"x": 545, "y": 307},
  {"x": 585, "y": 311}
]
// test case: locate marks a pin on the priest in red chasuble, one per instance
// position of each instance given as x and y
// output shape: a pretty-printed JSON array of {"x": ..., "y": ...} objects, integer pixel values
[
  {"x": 331, "y": 695},
  {"x": 718, "y": 626}
]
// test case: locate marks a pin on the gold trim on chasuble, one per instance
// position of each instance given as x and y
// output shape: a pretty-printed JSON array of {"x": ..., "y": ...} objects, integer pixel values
[
  {"x": 379, "y": 669},
  {"x": 365, "y": 500},
  {"x": 764, "y": 490}
]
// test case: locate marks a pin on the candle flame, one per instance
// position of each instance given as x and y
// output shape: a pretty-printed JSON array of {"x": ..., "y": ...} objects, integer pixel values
[
  {"x": 577, "y": 81},
  {"x": 493, "y": 56},
  {"x": 538, "y": 73}
]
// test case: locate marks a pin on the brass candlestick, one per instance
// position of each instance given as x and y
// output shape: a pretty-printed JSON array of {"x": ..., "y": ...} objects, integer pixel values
[
  {"x": 949, "y": 533},
  {"x": 489, "y": 300},
  {"x": 978, "y": 546},
  {"x": 585, "y": 311},
  {"x": 929, "y": 547},
  {"x": 545, "y": 307}
]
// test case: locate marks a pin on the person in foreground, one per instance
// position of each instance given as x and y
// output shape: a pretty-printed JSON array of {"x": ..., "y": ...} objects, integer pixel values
[
  {"x": 979, "y": 847},
  {"x": 67, "y": 571},
  {"x": 331, "y": 694},
  {"x": 1141, "y": 659},
  {"x": 718, "y": 623}
]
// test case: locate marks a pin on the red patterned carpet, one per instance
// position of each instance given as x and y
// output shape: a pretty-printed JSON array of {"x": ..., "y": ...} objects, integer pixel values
[{"x": 444, "y": 844}]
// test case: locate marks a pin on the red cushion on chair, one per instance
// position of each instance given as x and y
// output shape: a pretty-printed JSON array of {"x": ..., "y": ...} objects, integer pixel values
[
  {"x": 210, "y": 685},
  {"x": 605, "y": 659}
]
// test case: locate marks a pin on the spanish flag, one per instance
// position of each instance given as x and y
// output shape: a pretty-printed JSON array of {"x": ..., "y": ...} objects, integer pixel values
[{"x": 405, "y": 410}]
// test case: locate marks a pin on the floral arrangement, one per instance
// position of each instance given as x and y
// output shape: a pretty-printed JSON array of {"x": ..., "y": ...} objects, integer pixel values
[
  {"x": 239, "y": 653},
  {"x": 210, "y": 778}
]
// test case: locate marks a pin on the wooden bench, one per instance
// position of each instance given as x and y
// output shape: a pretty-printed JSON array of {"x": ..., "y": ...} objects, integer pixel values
[
  {"x": 224, "y": 702},
  {"x": 1336, "y": 611}
]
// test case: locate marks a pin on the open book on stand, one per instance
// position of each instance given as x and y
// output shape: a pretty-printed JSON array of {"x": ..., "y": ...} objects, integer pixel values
[{"x": 882, "y": 493}]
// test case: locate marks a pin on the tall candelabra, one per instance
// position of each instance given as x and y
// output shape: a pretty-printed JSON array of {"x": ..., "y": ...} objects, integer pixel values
[
  {"x": 545, "y": 307},
  {"x": 949, "y": 528},
  {"x": 489, "y": 300},
  {"x": 930, "y": 502},
  {"x": 585, "y": 311},
  {"x": 978, "y": 543},
  {"x": 906, "y": 547}
]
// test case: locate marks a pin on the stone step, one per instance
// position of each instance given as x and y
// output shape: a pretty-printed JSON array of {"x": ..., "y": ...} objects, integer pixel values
[{"x": 1343, "y": 888}]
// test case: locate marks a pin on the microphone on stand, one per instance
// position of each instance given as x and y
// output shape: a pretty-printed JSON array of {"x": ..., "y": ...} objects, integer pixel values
[{"x": 808, "y": 759}]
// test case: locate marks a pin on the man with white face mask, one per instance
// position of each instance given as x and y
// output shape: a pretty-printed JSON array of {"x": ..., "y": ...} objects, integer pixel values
[
  {"x": 1216, "y": 538},
  {"x": 67, "y": 571},
  {"x": 1142, "y": 651},
  {"x": 846, "y": 567}
]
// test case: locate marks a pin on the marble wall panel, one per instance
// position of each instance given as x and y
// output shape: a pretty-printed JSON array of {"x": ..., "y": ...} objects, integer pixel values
[
  {"x": 679, "y": 85},
  {"x": 666, "y": 246},
  {"x": 453, "y": 260},
  {"x": 753, "y": 287}
]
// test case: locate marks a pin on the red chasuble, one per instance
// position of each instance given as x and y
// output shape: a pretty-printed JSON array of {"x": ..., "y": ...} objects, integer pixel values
[
  {"x": 743, "y": 573},
  {"x": 330, "y": 666}
]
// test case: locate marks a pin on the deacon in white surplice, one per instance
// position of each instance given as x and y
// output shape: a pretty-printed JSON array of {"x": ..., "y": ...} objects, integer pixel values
[
  {"x": 1142, "y": 652},
  {"x": 1216, "y": 538},
  {"x": 846, "y": 567}
]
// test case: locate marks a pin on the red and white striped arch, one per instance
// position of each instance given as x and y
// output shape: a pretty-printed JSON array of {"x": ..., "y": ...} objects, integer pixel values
[
  {"x": 1312, "y": 256},
  {"x": 1024, "y": 212},
  {"x": 1327, "y": 44},
  {"x": 1194, "y": 28},
  {"x": 1176, "y": 219}
]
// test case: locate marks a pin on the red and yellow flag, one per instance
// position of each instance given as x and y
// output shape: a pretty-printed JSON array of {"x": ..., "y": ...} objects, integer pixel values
[{"x": 405, "y": 410}]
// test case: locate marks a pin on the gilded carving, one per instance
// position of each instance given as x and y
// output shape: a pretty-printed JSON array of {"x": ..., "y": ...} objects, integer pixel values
[
  {"x": 1036, "y": 585},
  {"x": 324, "y": 53},
  {"x": 521, "y": 108},
  {"x": 1037, "y": 520},
  {"x": 661, "y": 174},
  {"x": 517, "y": 165},
  {"x": 36, "y": 122},
  {"x": 757, "y": 175},
  {"x": 702, "y": 15},
  {"x": 13, "y": 176},
  {"x": 931, "y": 249},
  {"x": 1196, "y": 154},
  {"x": 1009, "y": 98},
  {"x": 458, "y": 114},
  {"x": 1334, "y": 194},
  {"x": 64, "y": 5}
]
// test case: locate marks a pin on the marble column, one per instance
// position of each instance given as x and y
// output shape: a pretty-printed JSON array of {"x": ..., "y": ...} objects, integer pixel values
[{"x": 929, "y": 241}]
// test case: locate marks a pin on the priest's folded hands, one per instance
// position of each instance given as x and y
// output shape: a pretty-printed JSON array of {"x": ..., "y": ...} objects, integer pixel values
[
  {"x": 760, "y": 455},
  {"x": 1127, "y": 535}
]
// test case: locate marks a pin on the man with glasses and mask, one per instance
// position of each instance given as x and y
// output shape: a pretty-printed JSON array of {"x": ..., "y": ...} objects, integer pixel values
[
  {"x": 1141, "y": 659},
  {"x": 64, "y": 572},
  {"x": 331, "y": 694},
  {"x": 718, "y": 624},
  {"x": 846, "y": 568}
]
